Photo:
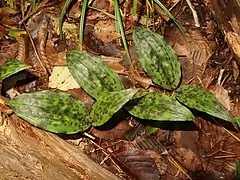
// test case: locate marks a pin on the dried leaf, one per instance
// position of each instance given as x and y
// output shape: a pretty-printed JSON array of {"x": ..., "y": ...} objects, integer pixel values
[
  {"x": 221, "y": 95},
  {"x": 202, "y": 100},
  {"x": 157, "y": 58},
  {"x": 158, "y": 106},
  {"x": 116, "y": 132},
  {"x": 92, "y": 74},
  {"x": 106, "y": 31},
  {"x": 188, "y": 159},
  {"x": 62, "y": 79},
  {"x": 11, "y": 67},
  {"x": 108, "y": 104},
  {"x": 143, "y": 163},
  {"x": 52, "y": 111},
  {"x": 7, "y": 11}
]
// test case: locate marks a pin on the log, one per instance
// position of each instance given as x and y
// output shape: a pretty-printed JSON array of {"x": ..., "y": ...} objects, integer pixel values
[{"x": 27, "y": 152}]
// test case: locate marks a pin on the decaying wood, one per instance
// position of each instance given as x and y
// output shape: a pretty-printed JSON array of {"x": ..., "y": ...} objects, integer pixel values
[
  {"x": 227, "y": 15},
  {"x": 27, "y": 152}
]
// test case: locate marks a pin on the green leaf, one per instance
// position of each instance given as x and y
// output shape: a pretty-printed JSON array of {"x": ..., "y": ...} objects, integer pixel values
[
  {"x": 16, "y": 32},
  {"x": 63, "y": 12},
  {"x": 11, "y": 67},
  {"x": 169, "y": 15},
  {"x": 238, "y": 169},
  {"x": 82, "y": 22},
  {"x": 108, "y": 104},
  {"x": 158, "y": 106},
  {"x": 119, "y": 24},
  {"x": 237, "y": 119},
  {"x": 92, "y": 74},
  {"x": 135, "y": 8},
  {"x": 202, "y": 100},
  {"x": 151, "y": 131},
  {"x": 157, "y": 58},
  {"x": 52, "y": 111}
]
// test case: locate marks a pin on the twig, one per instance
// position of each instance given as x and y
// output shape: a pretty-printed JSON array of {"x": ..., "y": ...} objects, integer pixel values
[
  {"x": 34, "y": 48},
  {"x": 195, "y": 16}
]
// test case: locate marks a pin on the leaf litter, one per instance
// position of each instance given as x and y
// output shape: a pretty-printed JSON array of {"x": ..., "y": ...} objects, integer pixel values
[{"x": 206, "y": 150}]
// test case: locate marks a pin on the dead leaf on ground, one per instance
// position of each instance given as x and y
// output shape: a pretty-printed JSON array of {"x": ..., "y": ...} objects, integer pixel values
[
  {"x": 235, "y": 70},
  {"x": 186, "y": 139},
  {"x": 233, "y": 40},
  {"x": 143, "y": 81},
  {"x": 81, "y": 95},
  {"x": 7, "y": 51},
  {"x": 62, "y": 79},
  {"x": 196, "y": 51},
  {"x": 115, "y": 133},
  {"x": 142, "y": 163},
  {"x": 188, "y": 159},
  {"x": 54, "y": 57},
  {"x": 106, "y": 31},
  {"x": 222, "y": 95}
]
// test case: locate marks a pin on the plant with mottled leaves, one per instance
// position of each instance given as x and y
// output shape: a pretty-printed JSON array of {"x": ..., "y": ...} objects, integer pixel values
[
  {"x": 11, "y": 67},
  {"x": 61, "y": 113}
]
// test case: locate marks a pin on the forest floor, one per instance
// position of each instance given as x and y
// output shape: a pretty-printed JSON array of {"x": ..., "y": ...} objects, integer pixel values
[{"x": 205, "y": 149}]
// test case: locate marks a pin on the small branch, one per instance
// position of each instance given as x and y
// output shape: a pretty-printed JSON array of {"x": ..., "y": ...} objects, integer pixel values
[{"x": 195, "y": 16}]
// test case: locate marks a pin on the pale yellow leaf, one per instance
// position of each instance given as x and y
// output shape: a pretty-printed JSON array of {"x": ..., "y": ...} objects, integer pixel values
[{"x": 62, "y": 79}]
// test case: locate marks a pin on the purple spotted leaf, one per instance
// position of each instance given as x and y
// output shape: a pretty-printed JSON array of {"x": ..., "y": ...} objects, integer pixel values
[
  {"x": 158, "y": 106},
  {"x": 202, "y": 100},
  {"x": 11, "y": 67},
  {"x": 157, "y": 58},
  {"x": 52, "y": 111},
  {"x": 93, "y": 74},
  {"x": 108, "y": 104}
]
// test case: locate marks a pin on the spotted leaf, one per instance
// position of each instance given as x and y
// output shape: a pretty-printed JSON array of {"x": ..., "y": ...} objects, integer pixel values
[
  {"x": 157, "y": 58},
  {"x": 11, "y": 67},
  {"x": 158, "y": 106},
  {"x": 202, "y": 100},
  {"x": 108, "y": 104},
  {"x": 92, "y": 74},
  {"x": 52, "y": 111}
]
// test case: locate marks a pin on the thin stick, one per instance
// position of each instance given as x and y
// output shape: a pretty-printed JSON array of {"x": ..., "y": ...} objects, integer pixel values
[
  {"x": 194, "y": 12},
  {"x": 34, "y": 47}
]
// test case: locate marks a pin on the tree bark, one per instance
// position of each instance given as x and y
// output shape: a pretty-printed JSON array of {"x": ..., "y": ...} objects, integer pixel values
[{"x": 27, "y": 152}]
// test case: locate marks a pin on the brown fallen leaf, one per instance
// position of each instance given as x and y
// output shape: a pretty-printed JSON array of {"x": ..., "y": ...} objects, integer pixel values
[
  {"x": 143, "y": 81},
  {"x": 188, "y": 159},
  {"x": 142, "y": 163},
  {"x": 235, "y": 70},
  {"x": 115, "y": 133},
  {"x": 106, "y": 31},
  {"x": 55, "y": 58},
  {"x": 222, "y": 95},
  {"x": 233, "y": 40}
]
